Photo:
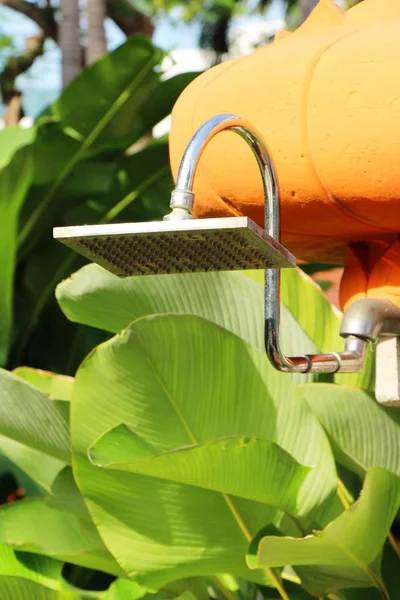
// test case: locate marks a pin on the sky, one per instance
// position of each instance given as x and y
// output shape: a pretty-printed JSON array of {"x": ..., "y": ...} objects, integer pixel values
[{"x": 42, "y": 84}]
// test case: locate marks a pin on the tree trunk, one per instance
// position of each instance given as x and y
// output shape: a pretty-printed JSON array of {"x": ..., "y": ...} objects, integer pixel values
[
  {"x": 15, "y": 66},
  {"x": 128, "y": 19},
  {"x": 70, "y": 40},
  {"x": 306, "y": 7},
  {"x": 96, "y": 37},
  {"x": 122, "y": 12},
  {"x": 13, "y": 112}
]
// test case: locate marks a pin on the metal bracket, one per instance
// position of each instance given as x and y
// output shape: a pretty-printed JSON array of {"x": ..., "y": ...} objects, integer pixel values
[
  {"x": 378, "y": 321},
  {"x": 370, "y": 319},
  {"x": 387, "y": 381}
]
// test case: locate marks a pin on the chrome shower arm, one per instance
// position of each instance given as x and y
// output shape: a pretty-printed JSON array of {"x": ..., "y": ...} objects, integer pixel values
[{"x": 182, "y": 199}]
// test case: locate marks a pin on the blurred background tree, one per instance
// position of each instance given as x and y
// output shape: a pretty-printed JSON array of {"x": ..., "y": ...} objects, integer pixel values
[
  {"x": 79, "y": 30},
  {"x": 66, "y": 23}
]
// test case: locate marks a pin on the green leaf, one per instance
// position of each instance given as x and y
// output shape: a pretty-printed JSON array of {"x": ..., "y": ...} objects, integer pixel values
[
  {"x": 53, "y": 385},
  {"x": 95, "y": 297},
  {"x": 32, "y": 526},
  {"x": 143, "y": 186},
  {"x": 39, "y": 466},
  {"x": 14, "y": 182},
  {"x": 198, "y": 586},
  {"x": 233, "y": 300},
  {"x": 390, "y": 575},
  {"x": 140, "y": 191},
  {"x": 13, "y": 477},
  {"x": 223, "y": 465},
  {"x": 26, "y": 576},
  {"x": 161, "y": 102},
  {"x": 53, "y": 146},
  {"x": 315, "y": 267},
  {"x": 29, "y": 417},
  {"x": 352, "y": 542},
  {"x": 65, "y": 495},
  {"x": 363, "y": 433},
  {"x": 171, "y": 398},
  {"x": 87, "y": 179},
  {"x": 121, "y": 82},
  {"x": 11, "y": 140},
  {"x": 122, "y": 589}
]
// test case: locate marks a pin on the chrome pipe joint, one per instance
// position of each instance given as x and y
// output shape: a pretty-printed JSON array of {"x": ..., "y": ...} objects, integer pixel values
[{"x": 364, "y": 322}]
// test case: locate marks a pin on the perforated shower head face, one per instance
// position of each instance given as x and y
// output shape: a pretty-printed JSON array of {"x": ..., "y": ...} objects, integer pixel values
[{"x": 189, "y": 246}]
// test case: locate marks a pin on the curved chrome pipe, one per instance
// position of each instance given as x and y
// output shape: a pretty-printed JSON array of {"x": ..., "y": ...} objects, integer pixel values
[{"x": 182, "y": 199}]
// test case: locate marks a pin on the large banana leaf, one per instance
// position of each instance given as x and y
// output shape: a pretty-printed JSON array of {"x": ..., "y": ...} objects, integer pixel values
[
  {"x": 33, "y": 526},
  {"x": 122, "y": 81},
  {"x": 175, "y": 381},
  {"x": 347, "y": 551},
  {"x": 160, "y": 103},
  {"x": 39, "y": 466},
  {"x": 110, "y": 105},
  {"x": 34, "y": 431},
  {"x": 30, "y": 576},
  {"x": 54, "y": 385},
  {"x": 30, "y": 418},
  {"x": 140, "y": 191},
  {"x": 235, "y": 301},
  {"x": 131, "y": 99},
  {"x": 14, "y": 182},
  {"x": 11, "y": 140},
  {"x": 26, "y": 576},
  {"x": 89, "y": 178},
  {"x": 363, "y": 433},
  {"x": 142, "y": 187},
  {"x": 95, "y": 297},
  {"x": 224, "y": 465},
  {"x": 65, "y": 495},
  {"x": 232, "y": 300}
]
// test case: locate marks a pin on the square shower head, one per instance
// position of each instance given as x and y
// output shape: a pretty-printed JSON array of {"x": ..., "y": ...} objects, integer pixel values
[{"x": 177, "y": 246}]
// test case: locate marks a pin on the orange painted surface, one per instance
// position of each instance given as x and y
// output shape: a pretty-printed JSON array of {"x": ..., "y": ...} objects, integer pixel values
[{"x": 327, "y": 100}]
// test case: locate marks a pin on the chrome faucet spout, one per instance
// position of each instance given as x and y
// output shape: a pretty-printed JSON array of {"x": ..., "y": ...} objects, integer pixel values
[{"x": 182, "y": 200}]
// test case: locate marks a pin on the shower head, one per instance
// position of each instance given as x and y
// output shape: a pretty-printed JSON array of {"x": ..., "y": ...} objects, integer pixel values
[
  {"x": 181, "y": 244},
  {"x": 177, "y": 246}
]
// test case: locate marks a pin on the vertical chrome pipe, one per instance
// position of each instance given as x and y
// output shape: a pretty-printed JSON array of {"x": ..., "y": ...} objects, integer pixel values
[{"x": 182, "y": 199}]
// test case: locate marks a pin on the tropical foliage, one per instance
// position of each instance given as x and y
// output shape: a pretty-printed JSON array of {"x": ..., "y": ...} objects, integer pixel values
[
  {"x": 79, "y": 164},
  {"x": 178, "y": 461}
]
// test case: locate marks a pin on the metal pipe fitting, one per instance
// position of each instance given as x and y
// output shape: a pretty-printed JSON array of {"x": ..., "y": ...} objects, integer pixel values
[
  {"x": 371, "y": 318},
  {"x": 362, "y": 323}
]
